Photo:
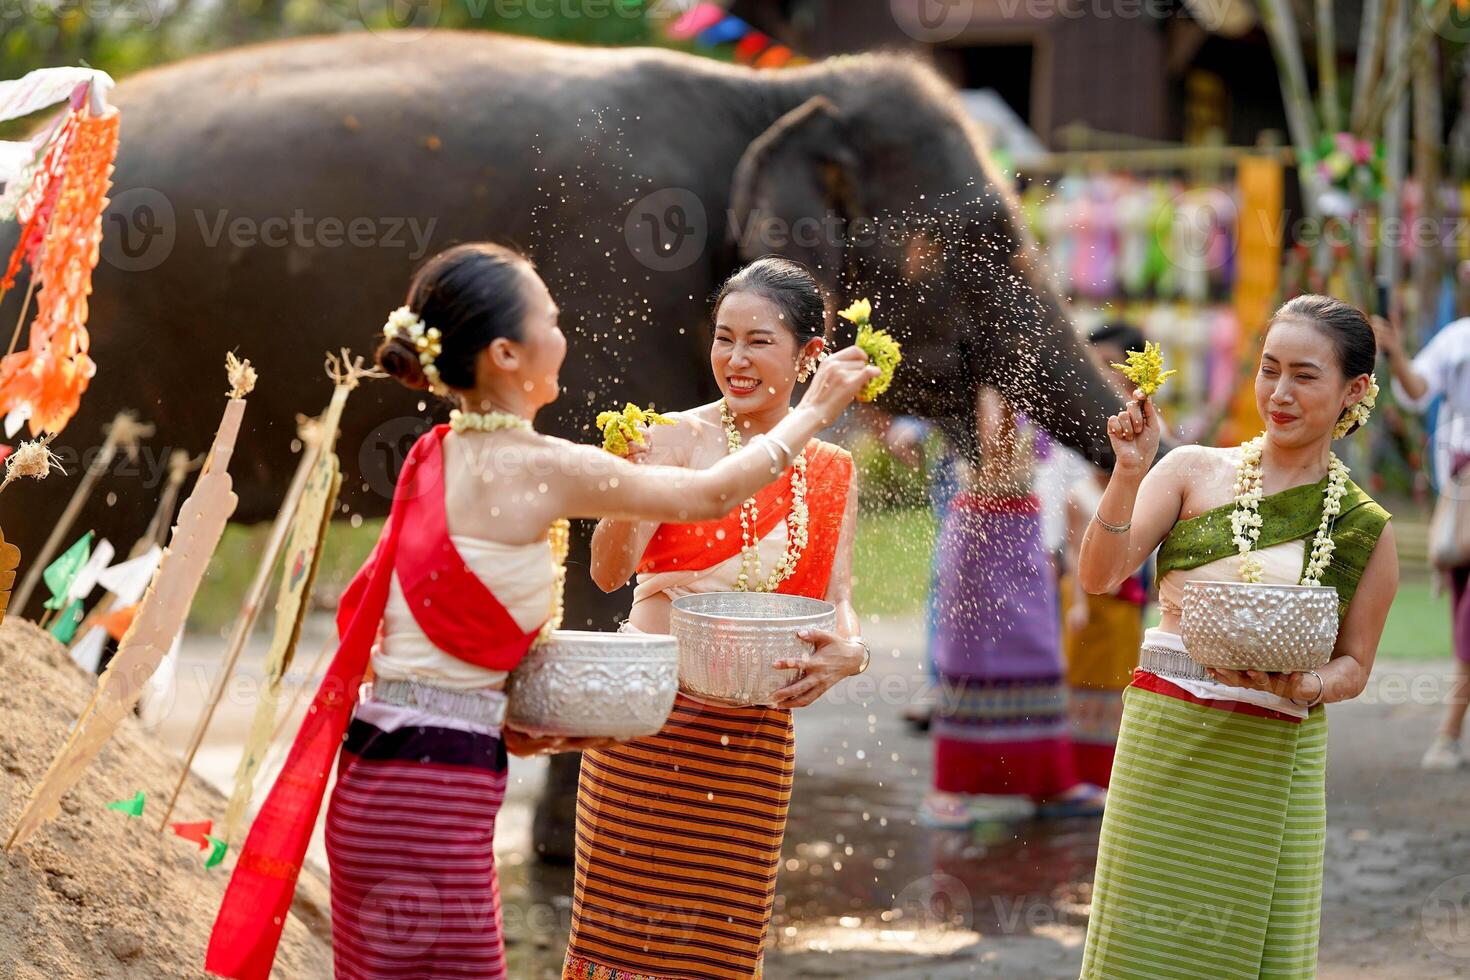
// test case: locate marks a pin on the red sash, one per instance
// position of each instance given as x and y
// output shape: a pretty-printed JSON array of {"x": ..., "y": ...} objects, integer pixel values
[
  {"x": 457, "y": 613},
  {"x": 676, "y": 547}
]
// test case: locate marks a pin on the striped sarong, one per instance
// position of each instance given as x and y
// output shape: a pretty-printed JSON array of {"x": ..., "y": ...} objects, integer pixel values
[
  {"x": 1210, "y": 857},
  {"x": 678, "y": 845},
  {"x": 410, "y": 839}
]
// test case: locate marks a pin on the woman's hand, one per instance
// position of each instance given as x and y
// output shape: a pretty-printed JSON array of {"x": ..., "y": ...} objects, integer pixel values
[
  {"x": 1302, "y": 687},
  {"x": 1134, "y": 433},
  {"x": 1389, "y": 335},
  {"x": 837, "y": 382},
  {"x": 639, "y": 452},
  {"x": 833, "y": 658},
  {"x": 520, "y": 743}
]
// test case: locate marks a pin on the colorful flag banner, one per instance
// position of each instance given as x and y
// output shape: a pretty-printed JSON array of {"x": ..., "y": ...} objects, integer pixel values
[
  {"x": 195, "y": 833},
  {"x": 87, "y": 652},
  {"x": 127, "y": 580},
  {"x": 86, "y": 577},
  {"x": 730, "y": 29},
  {"x": 700, "y": 18},
  {"x": 218, "y": 854},
  {"x": 64, "y": 626},
  {"x": 166, "y": 603}
]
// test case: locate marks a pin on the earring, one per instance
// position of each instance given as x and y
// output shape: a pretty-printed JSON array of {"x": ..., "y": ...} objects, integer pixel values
[{"x": 804, "y": 371}]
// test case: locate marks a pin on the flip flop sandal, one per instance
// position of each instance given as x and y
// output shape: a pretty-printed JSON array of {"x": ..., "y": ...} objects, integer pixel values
[
  {"x": 1088, "y": 803},
  {"x": 950, "y": 815}
]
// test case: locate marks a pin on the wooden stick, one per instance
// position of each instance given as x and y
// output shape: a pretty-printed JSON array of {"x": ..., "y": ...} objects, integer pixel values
[
  {"x": 249, "y": 610},
  {"x": 20, "y": 320},
  {"x": 123, "y": 433}
]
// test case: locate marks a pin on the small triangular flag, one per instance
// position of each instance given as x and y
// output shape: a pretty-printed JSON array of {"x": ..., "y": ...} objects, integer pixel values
[
  {"x": 128, "y": 580},
  {"x": 133, "y": 807},
  {"x": 86, "y": 578},
  {"x": 59, "y": 574},
  {"x": 117, "y": 621},
  {"x": 218, "y": 854},
  {"x": 195, "y": 833},
  {"x": 64, "y": 627},
  {"x": 87, "y": 651}
]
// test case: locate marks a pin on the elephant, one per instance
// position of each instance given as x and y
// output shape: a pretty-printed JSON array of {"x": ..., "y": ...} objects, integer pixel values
[{"x": 274, "y": 200}]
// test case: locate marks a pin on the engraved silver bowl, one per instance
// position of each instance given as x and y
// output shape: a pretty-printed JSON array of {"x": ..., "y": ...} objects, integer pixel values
[
  {"x": 583, "y": 684},
  {"x": 1259, "y": 626},
  {"x": 728, "y": 641}
]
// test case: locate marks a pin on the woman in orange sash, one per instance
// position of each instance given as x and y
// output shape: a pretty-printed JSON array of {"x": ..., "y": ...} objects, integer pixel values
[
  {"x": 679, "y": 834},
  {"x": 464, "y": 580}
]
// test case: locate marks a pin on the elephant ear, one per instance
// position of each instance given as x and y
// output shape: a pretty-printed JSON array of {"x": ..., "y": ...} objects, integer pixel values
[{"x": 795, "y": 190}]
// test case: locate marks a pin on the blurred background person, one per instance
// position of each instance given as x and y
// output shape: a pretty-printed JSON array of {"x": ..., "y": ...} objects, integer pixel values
[{"x": 1441, "y": 372}]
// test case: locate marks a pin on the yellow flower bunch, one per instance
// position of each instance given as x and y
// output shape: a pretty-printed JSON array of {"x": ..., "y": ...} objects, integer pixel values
[
  {"x": 880, "y": 347},
  {"x": 1145, "y": 369},
  {"x": 619, "y": 429}
]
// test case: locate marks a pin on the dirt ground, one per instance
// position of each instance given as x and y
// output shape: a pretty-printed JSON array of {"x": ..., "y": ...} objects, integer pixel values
[
  {"x": 98, "y": 894},
  {"x": 864, "y": 891}
]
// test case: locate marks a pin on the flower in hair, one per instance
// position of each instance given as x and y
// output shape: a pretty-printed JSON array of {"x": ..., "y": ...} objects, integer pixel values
[{"x": 406, "y": 325}]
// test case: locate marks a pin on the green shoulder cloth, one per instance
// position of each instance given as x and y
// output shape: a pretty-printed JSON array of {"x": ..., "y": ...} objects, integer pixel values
[{"x": 1286, "y": 516}]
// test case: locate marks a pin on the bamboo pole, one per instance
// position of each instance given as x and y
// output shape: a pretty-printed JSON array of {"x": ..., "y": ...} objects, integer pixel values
[
  {"x": 1327, "y": 67},
  {"x": 123, "y": 433},
  {"x": 1295, "y": 95},
  {"x": 249, "y": 611},
  {"x": 1365, "y": 72},
  {"x": 1395, "y": 152},
  {"x": 1402, "y": 58},
  {"x": 1429, "y": 262}
]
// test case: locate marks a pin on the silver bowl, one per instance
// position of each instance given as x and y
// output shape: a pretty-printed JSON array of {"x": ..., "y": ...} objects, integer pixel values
[
  {"x": 582, "y": 684},
  {"x": 728, "y": 641},
  {"x": 1259, "y": 626}
]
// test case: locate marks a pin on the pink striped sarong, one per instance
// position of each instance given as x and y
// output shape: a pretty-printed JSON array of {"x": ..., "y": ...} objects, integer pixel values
[{"x": 410, "y": 839}]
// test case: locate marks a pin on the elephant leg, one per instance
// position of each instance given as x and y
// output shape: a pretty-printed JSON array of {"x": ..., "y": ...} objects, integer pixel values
[{"x": 554, "y": 831}]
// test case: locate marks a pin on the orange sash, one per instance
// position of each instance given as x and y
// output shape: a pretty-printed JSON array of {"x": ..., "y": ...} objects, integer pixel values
[{"x": 687, "y": 547}]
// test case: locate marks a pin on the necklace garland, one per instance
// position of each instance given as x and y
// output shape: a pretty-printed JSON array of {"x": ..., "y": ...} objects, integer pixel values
[
  {"x": 558, "y": 535},
  {"x": 796, "y": 523},
  {"x": 1245, "y": 520}
]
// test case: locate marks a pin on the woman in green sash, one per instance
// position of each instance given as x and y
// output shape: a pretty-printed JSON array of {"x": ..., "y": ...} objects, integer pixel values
[{"x": 1210, "y": 858}]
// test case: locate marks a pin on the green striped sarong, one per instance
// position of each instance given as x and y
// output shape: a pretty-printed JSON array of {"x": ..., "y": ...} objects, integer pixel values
[{"x": 1210, "y": 858}]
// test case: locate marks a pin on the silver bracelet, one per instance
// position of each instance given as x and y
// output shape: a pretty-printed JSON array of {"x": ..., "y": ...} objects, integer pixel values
[
  {"x": 784, "y": 448},
  {"x": 764, "y": 441},
  {"x": 1113, "y": 528},
  {"x": 1321, "y": 689}
]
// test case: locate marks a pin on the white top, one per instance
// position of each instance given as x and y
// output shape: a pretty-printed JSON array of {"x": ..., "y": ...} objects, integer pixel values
[
  {"x": 1445, "y": 365},
  {"x": 1281, "y": 564},
  {"x": 1057, "y": 476},
  {"x": 521, "y": 578},
  {"x": 716, "y": 578}
]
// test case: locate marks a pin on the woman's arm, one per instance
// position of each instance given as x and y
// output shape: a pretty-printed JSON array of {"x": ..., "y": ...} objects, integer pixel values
[
  {"x": 618, "y": 545},
  {"x": 1149, "y": 503},
  {"x": 1346, "y": 674},
  {"x": 838, "y": 654}
]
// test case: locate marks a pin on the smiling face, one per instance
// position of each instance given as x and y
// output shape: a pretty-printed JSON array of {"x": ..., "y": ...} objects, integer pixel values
[
  {"x": 755, "y": 353},
  {"x": 1300, "y": 387}
]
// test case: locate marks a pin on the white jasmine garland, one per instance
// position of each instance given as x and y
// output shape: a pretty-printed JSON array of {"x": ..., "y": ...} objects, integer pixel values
[
  {"x": 1245, "y": 519},
  {"x": 1358, "y": 413},
  {"x": 796, "y": 523}
]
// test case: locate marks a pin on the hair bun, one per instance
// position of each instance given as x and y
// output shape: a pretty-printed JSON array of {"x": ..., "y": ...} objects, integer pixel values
[{"x": 401, "y": 360}]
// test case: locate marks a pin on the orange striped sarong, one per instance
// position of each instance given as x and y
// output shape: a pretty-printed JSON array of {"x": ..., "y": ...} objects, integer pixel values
[
  {"x": 679, "y": 834},
  {"x": 678, "y": 845}
]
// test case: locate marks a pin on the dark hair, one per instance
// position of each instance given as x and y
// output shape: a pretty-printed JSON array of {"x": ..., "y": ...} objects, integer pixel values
[
  {"x": 472, "y": 294},
  {"x": 1120, "y": 332},
  {"x": 1345, "y": 325},
  {"x": 788, "y": 284}
]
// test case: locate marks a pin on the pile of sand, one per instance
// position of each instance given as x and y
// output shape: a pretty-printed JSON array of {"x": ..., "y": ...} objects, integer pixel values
[{"x": 96, "y": 893}]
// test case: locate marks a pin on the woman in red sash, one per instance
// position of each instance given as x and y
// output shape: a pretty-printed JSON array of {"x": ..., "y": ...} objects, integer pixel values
[
  {"x": 679, "y": 834},
  {"x": 463, "y": 581}
]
